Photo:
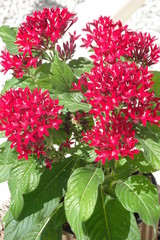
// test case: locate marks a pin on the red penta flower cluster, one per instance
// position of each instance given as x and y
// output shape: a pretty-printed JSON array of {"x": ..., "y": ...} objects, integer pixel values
[
  {"x": 43, "y": 29},
  {"x": 39, "y": 33},
  {"x": 119, "y": 90},
  {"x": 26, "y": 116},
  {"x": 17, "y": 63},
  {"x": 110, "y": 41}
]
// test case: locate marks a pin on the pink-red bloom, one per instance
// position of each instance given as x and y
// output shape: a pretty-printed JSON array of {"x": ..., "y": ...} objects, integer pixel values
[
  {"x": 110, "y": 41},
  {"x": 43, "y": 29},
  {"x": 144, "y": 51},
  {"x": 26, "y": 117},
  {"x": 112, "y": 138},
  {"x": 120, "y": 95},
  {"x": 17, "y": 63}
]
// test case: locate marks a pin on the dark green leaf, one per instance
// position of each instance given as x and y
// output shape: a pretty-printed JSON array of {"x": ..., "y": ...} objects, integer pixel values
[
  {"x": 40, "y": 204},
  {"x": 8, "y": 36},
  {"x": 62, "y": 76},
  {"x": 81, "y": 65},
  {"x": 110, "y": 221},
  {"x": 24, "y": 178},
  {"x": 138, "y": 194},
  {"x": 43, "y": 77},
  {"x": 81, "y": 197},
  {"x": 53, "y": 229},
  {"x": 156, "y": 80},
  {"x": 72, "y": 101},
  {"x": 151, "y": 152},
  {"x": 7, "y": 158}
]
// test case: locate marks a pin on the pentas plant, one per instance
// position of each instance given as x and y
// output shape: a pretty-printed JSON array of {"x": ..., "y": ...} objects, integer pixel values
[{"x": 80, "y": 136}]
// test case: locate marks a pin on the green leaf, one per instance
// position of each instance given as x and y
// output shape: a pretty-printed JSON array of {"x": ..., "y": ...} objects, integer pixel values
[
  {"x": 156, "y": 85},
  {"x": 126, "y": 166},
  {"x": 24, "y": 178},
  {"x": 9, "y": 84},
  {"x": 15, "y": 83},
  {"x": 140, "y": 164},
  {"x": 7, "y": 158},
  {"x": 72, "y": 101},
  {"x": 149, "y": 131},
  {"x": 81, "y": 197},
  {"x": 110, "y": 221},
  {"x": 81, "y": 65},
  {"x": 43, "y": 77},
  {"x": 138, "y": 194},
  {"x": 149, "y": 139},
  {"x": 2, "y": 134},
  {"x": 8, "y": 36},
  {"x": 151, "y": 152},
  {"x": 40, "y": 204},
  {"x": 62, "y": 76},
  {"x": 53, "y": 229}
]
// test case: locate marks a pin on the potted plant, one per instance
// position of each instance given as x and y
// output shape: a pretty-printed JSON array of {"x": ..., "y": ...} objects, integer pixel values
[{"x": 81, "y": 134}]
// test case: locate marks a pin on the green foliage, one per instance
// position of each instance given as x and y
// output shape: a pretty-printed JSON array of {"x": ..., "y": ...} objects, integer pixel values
[
  {"x": 8, "y": 36},
  {"x": 111, "y": 221},
  {"x": 62, "y": 76},
  {"x": 156, "y": 85},
  {"x": 41, "y": 206},
  {"x": 7, "y": 158},
  {"x": 72, "y": 101},
  {"x": 81, "y": 65},
  {"x": 81, "y": 197},
  {"x": 138, "y": 194},
  {"x": 15, "y": 83},
  {"x": 24, "y": 177}
]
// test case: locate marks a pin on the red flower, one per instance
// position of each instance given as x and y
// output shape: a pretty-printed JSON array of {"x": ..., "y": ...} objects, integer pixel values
[
  {"x": 144, "y": 50},
  {"x": 109, "y": 40},
  {"x": 120, "y": 95},
  {"x": 68, "y": 47},
  {"x": 17, "y": 63},
  {"x": 121, "y": 87},
  {"x": 112, "y": 138},
  {"x": 43, "y": 29},
  {"x": 26, "y": 117}
]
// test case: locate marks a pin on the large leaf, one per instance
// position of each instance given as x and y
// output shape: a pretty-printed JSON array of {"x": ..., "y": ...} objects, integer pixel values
[
  {"x": 111, "y": 221},
  {"x": 53, "y": 229},
  {"x": 15, "y": 83},
  {"x": 81, "y": 197},
  {"x": 149, "y": 139},
  {"x": 24, "y": 178},
  {"x": 156, "y": 85},
  {"x": 8, "y": 36},
  {"x": 40, "y": 204},
  {"x": 43, "y": 76},
  {"x": 81, "y": 65},
  {"x": 126, "y": 166},
  {"x": 72, "y": 101},
  {"x": 7, "y": 158},
  {"x": 62, "y": 76},
  {"x": 151, "y": 152},
  {"x": 9, "y": 84},
  {"x": 138, "y": 194}
]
